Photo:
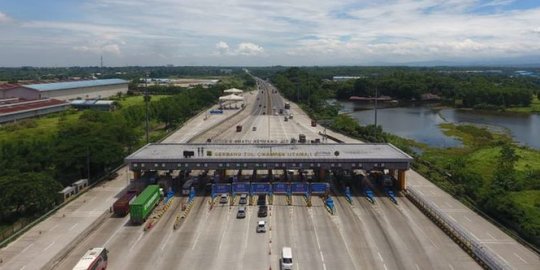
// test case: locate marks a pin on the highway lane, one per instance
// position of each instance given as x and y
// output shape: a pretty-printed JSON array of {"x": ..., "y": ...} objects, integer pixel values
[{"x": 361, "y": 236}]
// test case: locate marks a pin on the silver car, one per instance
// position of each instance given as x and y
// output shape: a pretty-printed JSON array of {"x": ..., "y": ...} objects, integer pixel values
[{"x": 241, "y": 212}]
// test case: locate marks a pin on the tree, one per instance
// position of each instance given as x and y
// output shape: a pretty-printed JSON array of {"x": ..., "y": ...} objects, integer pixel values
[
  {"x": 504, "y": 176},
  {"x": 27, "y": 193}
]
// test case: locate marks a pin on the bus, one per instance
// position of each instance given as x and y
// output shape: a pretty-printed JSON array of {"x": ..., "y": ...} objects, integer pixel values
[{"x": 93, "y": 259}]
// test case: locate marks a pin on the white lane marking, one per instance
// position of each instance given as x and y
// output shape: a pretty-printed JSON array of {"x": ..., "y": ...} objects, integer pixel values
[
  {"x": 384, "y": 265},
  {"x": 198, "y": 233},
  {"x": 113, "y": 235},
  {"x": 435, "y": 204},
  {"x": 452, "y": 218},
  {"x": 475, "y": 237},
  {"x": 49, "y": 246},
  {"x": 380, "y": 257},
  {"x": 500, "y": 257},
  {"x": 27, "y": 247},
  {"x": 417, "y": 267},
  {"x": 136, "y": 241},
  {"x": 468, "y": 219},
  {"x": 248, "y": 228},
  {"x": 72, "y": 227},
  {"x": 166, "y": 241},
  {"x": 54, "y": 227},
  {"x": 223, "y": 233},
  {"x": 450, "y": 266},
  {"x": 519, "y": 257},
  {"x": 432, "y": 242},
  {"x": 492, "y": 237},
  {"x": 310, "y": 212},
  {"x": 22, "y": 268}
]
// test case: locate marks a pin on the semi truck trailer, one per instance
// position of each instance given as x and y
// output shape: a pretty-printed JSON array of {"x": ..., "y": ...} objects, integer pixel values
[
  {"x": 142, "y": 206},
  {"x": 121, "y": 206}
]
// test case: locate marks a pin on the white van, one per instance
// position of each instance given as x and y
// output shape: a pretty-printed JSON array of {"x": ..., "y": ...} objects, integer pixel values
[{"x": 286, "y": 258}]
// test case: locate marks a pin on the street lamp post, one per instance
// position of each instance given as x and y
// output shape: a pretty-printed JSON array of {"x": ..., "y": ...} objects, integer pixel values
[
  {"x": 376, "y": 97},
  {"x": 146, "y": 101}
]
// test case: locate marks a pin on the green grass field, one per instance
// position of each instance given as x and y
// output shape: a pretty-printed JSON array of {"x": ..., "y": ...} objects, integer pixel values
[
  {"x": 44, "y": 126},
  {"x": 137, "y": 100},
  {"x": 529, "y": 201},
  {"x": 480, "y": 151},
  {"x": 48, "y": 125},
  {"x": 533, "y": 108}
]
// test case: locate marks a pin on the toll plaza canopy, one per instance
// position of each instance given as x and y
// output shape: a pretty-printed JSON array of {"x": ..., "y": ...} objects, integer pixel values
[{"x": 268, "y": 156}]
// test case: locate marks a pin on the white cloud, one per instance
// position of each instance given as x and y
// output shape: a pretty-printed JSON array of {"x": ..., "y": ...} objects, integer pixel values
[
  {"x": 244, "y": 48},
  {"x": 291, "y": 32},
  {"x": 250, "y": 49},
  {"x": 222, "y": 47},
  {"x": 4, "y": 18},
  {"x": 99, "y": 49}
]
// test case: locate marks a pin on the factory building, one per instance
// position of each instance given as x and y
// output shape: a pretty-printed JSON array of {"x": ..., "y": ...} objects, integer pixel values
[
  {"x": 13, "y": 109},
  {"x": 89, "y": 89}
]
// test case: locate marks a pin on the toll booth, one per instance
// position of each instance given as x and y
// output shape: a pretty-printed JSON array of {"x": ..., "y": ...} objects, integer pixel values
[
  {"x": 65, "y": 194},
  {"x": 80, "y": 185}
]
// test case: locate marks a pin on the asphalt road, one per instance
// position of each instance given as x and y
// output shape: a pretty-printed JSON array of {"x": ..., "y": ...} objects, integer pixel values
[{"x": 360, "y": 235}]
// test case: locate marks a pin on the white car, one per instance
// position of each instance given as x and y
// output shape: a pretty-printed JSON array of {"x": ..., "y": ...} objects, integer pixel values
[
  {"x": 223, "y": 198},
  {"x": 261, "y": 226}
]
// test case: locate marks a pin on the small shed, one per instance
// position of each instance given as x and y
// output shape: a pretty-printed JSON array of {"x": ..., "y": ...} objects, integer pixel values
[
  {"x": 80, "y": 185},
  {"x": 66, "y": 193}
]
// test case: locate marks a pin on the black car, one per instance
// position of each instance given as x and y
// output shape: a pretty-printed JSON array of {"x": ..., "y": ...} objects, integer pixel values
[
  {"x": 263, "y": 211},
  {"x": 261, "y": 200}
]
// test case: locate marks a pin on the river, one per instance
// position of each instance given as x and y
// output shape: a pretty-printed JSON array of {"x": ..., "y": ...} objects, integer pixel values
[{"x": 421, "y": 123}]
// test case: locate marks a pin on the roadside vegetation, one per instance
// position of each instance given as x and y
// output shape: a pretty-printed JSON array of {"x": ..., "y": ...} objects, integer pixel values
[
  {"x": 500, "y": 91},
  {"x": 489, "y": 172},
  {"x": 40, "y": 156}
]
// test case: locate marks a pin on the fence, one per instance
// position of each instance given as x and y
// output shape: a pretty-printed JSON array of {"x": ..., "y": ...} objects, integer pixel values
[{"x": 462, "y": 237}]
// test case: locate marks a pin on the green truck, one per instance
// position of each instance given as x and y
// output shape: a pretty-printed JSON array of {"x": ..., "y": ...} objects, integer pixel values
[{"x": 142, "y": 206}]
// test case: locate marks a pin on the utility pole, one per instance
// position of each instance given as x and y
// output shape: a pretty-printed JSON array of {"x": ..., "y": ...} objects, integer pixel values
[
  {"x": 146, "y": 101},
  {"x": 88, "y": 163},
  {"x": 376, "y": 97}
]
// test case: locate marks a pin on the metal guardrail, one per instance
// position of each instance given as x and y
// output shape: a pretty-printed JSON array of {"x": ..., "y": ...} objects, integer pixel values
[{"x": 479, "y": 252}]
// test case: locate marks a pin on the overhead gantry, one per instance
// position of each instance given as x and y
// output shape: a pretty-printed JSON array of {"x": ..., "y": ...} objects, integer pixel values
[{"x": 316, "y": 157}]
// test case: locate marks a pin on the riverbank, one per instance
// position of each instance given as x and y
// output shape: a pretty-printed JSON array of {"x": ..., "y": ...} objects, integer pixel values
[{"x": 470, "y": 174}]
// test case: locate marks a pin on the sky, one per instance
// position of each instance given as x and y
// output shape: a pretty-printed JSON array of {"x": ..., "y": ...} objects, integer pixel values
[{"x": 57, "y": 33}]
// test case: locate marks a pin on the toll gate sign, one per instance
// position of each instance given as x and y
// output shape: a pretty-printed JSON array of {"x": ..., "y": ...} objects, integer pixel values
[
  {"x": 280, "y": 188},
  {"x": 240, "y": 187},
  {"x": 319, "y": 188},
  {"x": 299, "y": 188},
  {"x": 257, "y": 188},
  {"x": 221, "y": 188}
]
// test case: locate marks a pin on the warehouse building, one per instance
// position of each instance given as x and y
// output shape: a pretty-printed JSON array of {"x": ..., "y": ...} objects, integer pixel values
[
  {"x": 13, "y": 90},
  {"x": 94, "y": 104},
  {"x": 13, "y": 109},
  {"x": 89, "y": 89}
]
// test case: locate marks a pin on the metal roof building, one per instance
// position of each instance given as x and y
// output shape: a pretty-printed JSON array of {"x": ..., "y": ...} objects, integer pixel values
[
  {"x": 87, "y": 89},
  {"x": 268, "y": 156},
  {"x": 102, "y": 105},
  {"x": 21, "y": 109}
]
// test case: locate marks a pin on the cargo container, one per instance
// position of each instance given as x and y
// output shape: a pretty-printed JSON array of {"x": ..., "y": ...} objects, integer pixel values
[
  {"x": 143, "y": 205},
  {"x": 121, "y": 206}
]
